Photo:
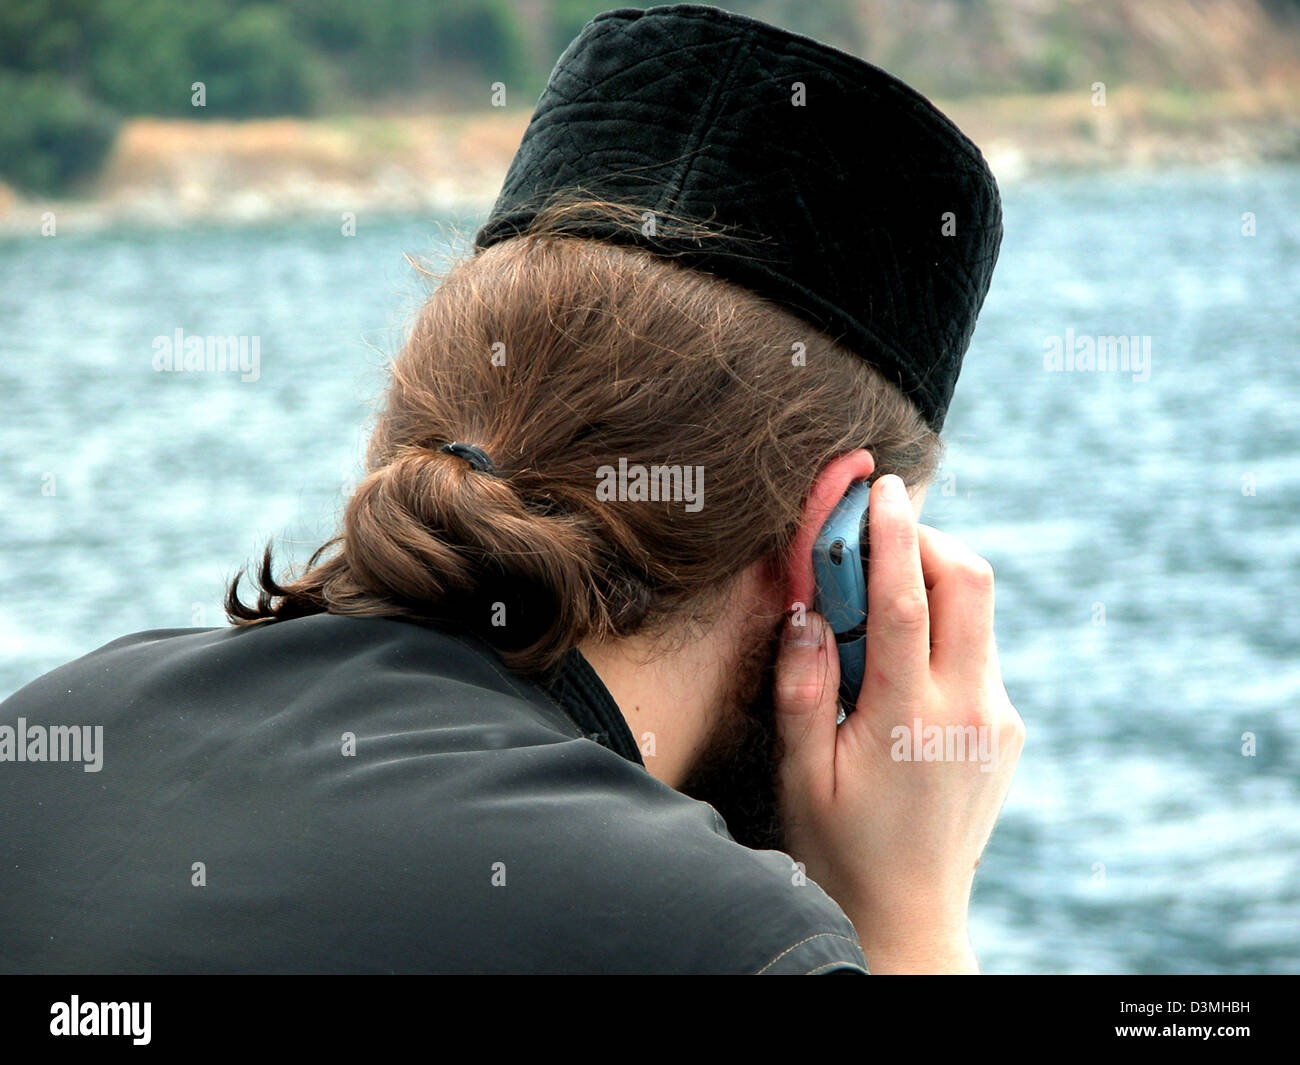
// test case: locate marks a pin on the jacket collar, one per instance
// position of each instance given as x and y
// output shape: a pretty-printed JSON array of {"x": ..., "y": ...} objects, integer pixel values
[{"x": 582, "y": 695}]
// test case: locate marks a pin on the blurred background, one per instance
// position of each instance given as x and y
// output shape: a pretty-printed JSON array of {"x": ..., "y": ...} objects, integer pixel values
[{"x": 263, "y": 170}]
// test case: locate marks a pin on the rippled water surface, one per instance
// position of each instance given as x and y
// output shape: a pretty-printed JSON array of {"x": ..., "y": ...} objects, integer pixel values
[{"x": 1144, "y": 530}]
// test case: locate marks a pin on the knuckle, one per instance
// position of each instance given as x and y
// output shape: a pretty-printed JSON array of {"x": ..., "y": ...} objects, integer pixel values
[
  {"x": 1013, "y": 726},
  {"x": 903, "y": 536},
  {"x": 975, "y": 715},
  {"x": 896, "y": 525},
  {"x": 908, "y": 611},
  {"x": 798, "y": 693},
  {"x": 977, "y": 574}
]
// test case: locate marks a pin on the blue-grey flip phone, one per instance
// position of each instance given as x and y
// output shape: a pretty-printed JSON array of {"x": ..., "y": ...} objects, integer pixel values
[{"x": 840, "y": 571}]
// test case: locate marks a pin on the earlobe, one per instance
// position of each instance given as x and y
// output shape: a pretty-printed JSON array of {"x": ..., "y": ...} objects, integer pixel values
[{"x": 827, "y": 490}]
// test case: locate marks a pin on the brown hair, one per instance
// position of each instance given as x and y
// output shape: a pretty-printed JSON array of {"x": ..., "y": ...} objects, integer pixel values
[{"x": 558, "y": 356}]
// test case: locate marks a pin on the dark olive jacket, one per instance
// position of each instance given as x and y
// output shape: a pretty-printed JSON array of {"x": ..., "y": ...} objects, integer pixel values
[{"x": 369, "y": 795}]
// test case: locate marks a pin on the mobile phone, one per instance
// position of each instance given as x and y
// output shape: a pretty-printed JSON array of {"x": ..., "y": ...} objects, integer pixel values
[{"x": 840, "y": 572}]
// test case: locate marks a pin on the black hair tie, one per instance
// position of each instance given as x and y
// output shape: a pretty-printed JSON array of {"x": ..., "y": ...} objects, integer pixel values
[{"x": 475, "y": 456}]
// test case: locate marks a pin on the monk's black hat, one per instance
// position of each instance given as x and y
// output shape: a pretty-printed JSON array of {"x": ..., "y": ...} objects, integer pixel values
[{"x": 857, "y": 204}]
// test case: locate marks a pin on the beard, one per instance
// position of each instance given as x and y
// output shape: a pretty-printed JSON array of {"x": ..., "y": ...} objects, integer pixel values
[{"x": 736, "y": 771}]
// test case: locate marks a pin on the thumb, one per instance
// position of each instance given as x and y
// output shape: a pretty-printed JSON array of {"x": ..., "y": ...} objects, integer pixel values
[{"x": 806, "y": 701}]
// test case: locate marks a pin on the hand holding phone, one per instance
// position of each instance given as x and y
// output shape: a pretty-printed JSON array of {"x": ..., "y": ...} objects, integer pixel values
[{"x": 894, "y": 837}]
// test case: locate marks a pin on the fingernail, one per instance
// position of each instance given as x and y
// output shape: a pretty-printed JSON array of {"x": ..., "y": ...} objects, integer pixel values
[
  {"x": 809, "y": 634},
  {"x": 895, "y": 490}
]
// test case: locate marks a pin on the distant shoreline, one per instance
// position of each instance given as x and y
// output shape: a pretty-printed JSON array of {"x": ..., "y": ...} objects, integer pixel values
[{"x": 170, "y": 173}]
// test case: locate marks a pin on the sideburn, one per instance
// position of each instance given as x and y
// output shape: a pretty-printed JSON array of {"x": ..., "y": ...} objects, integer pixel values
[{"x": 736, "y": 773}]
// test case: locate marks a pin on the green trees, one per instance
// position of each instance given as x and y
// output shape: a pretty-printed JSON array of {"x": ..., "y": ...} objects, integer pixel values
[
  {"x": 51, "y": 134},
  {"x": 70, "y": 69},
  {"x": 142, "y": 57}
]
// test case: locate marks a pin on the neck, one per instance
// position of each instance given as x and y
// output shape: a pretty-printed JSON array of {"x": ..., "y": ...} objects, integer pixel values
[
  {"x": 674, "y": 692},
  {"x": 667, "y": 699}
]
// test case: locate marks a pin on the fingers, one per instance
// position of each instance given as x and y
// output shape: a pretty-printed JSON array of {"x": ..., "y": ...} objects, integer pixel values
[
  {"x": 805, "y": 691},
  {"x": 898, "y": 614},
  {"x": 961, "y": 605}
]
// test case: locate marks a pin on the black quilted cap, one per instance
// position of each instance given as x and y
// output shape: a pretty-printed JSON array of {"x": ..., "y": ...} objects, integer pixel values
[{"x": 853, "y": 201}]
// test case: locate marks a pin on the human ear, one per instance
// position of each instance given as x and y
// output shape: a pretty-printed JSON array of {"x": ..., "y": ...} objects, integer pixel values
[{"x": 827, "y": 490}]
